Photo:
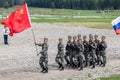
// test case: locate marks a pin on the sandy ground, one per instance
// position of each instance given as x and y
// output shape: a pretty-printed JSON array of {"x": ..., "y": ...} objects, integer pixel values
[{"x": 19, "y": 61}]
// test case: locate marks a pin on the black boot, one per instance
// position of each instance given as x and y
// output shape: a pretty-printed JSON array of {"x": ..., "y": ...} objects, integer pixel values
[
  {"x": 93, "y": 66},
  {"x": 62, "y": 68},
  {"x": 43, "y": 70},
  {"x": 46, "y": 70},
  {"x": 81, "y": 68}
]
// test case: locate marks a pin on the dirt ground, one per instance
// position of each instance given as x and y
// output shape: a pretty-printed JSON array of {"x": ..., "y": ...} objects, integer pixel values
[{"x": 18, "y": 60}]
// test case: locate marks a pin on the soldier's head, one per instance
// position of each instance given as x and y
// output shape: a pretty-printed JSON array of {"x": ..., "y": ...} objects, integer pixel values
[
  {"x": 96, "y": 37},
  {"x": 79, "y": 36},
  {"x": 60, "y": 40},
  {"x": 74, "y": 38},
  {"x": 69, "y": 38},
  {"x": 91, "y": 38},
  {"x": 84, "y": 38},
  {"x": 45, "y": 40},
  {"x": 90, "y": 35},
  {"x": 103, "y": 38},
  {"x": 79, "y": 41}
]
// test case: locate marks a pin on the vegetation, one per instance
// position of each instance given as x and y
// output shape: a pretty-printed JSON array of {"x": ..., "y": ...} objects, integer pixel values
[
  {"x": 67, "y": 4},
  {"x": 87, "y": 18},
  {"x": 114, "y": 77}
]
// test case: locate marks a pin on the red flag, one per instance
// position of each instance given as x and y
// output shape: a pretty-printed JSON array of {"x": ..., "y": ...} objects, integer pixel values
[{"x": 18, "y": 20}]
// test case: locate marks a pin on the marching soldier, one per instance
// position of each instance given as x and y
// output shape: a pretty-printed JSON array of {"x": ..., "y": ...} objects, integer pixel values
[
  {"x": 85, "y": 43},
  {"x": 68, "y": 50},
  {"x": 60, "y": 54},
  {"x": 97, "y": 52},
  {"x": 102, "y": 48},
  {"x": 79, "y": 54},
  {"x": 43, "y": 62},
  {"x": 92, "y": 50},
  {"x": 74, "y": 51}
]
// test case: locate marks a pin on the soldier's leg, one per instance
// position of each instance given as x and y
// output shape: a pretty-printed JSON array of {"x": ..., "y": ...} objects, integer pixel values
[
  {"x": 77, "y": 60},
  {"x": 66, "y": 58},
  {"x": 81, "y": 62},
  {"x": 93, "y": 60},
  {"x": 46, "y": 64},
  {"x": 86, "y": 59},
  {"x": 71, "y": 59},
  {"x": 101, "y": 58},
  {"x": 57, "y": 61},
  {"x": 61, "y": 63},
  {"x": 104, "y": 58},
  {"x": 41, "y": 63}
]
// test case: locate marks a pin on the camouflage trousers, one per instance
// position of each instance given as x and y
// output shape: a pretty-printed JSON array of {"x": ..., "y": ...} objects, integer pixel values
[
  {"x": 72, "y": 58},
  {"x": 67, "y": 57},
  {"x": 43, "y": 62},
  {"x": 97, "y": 53},
  {"x": 60, "y": 59},
  {"x": 79, "y": 60},
  {"x": 86, "y": 58},
  {"x": 103, "y": 57},
  {"x": 92, "y": 55}
]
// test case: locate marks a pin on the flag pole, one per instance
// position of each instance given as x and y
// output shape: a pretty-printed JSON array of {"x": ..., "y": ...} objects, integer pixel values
[
  {"x": 32, "y": 30},
  {"x": 34, "y": 40}
]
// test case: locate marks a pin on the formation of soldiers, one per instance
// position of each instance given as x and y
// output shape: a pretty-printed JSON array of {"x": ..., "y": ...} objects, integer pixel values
[{"x": 79, "y": 53}]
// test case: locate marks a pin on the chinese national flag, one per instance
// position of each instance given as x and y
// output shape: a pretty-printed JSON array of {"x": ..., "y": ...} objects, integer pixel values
[{"x": 18, "y": 20}]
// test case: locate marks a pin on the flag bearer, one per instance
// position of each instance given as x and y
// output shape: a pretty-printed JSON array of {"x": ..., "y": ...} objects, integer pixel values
[{"x": 43, "y": 62}]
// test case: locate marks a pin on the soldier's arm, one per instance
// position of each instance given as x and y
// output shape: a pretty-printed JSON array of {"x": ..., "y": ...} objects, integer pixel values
[{"x": 39, "y": 44}]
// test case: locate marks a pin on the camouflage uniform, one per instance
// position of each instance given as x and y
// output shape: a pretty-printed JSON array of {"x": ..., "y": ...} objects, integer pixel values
[
  {"x": 60, "y": 56},
  {"x": 86, "y": 49},
  {"x": 102, "y": 48},
  {"x": 92, "y": 48},
  {"x": 68, "y": 52},
  {"x": 72, "y": 56},
  {"x": 79, "y": 56},
  {"x": 43, "y": 61},
  {"x": 97, "y": 52}
]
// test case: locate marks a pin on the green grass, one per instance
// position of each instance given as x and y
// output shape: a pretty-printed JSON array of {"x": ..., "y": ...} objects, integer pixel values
[
  {"x": 88, "y": 18},
  {"x": 73, "y": 20},
  {"x": 114, "y": 77}
]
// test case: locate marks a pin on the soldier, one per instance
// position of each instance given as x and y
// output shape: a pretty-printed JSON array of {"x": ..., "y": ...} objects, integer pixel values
[
  {"x": 72, "y": 56},
  {"x": 102, "y": 48},
  {"x": 92, "y": 51},
  {"x": 43, "y": 62},
  {"x": 85, "y": 43},
  {"x": 97, "y": 52},
  {"x": 79, "y": 55},
  {"x": 68, "y": 50},
  {"x": 60, "y": 54},
  {"x": 79, "y": 36}
]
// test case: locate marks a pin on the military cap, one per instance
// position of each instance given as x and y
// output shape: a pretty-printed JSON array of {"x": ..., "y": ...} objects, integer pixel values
[
  {"x": 79, "y": 35},
  {"x": 45, "y": 38},
  {"x": 84, "y": 36},
  {"x": 103, "y": 36},
  {"x": 69, "y": 36},
  {"x": 95, "y": 35},
  {"x": 90, "y": 35}
]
